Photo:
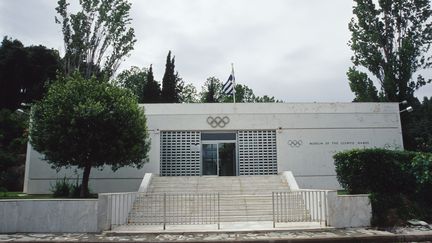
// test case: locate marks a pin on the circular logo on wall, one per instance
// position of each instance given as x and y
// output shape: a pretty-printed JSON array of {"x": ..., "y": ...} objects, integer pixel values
[
  {"x": 295, "y": 143},
  {"x": 218, "y": 121}
]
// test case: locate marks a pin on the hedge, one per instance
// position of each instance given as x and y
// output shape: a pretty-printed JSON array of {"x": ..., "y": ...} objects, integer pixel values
[{"x": 400, "y": 182}]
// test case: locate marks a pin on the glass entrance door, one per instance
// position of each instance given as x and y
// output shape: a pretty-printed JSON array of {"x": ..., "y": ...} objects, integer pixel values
[
  {"x": 210, "y": 159},
  {"x": 219, "y": 158},
  {"x": 227, "y": 159}
]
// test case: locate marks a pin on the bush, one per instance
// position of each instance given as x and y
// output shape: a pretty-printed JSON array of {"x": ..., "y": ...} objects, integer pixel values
[
  {"x": 399, "y": 182},
  {"x": 61, "y": 188},
  {"x": 421, "y": 169},
  {"x": 374, "y": 170},
  {"x": 13, "y": 140},
  {"x": 64, "y": 188}
]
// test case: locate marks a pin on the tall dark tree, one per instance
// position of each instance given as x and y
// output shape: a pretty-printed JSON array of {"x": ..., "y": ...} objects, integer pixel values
[
  {"x": 267, "y": 99},
  {"x": 420, "y": 128},
  {"x": 391, "y": 40},
  {"x": 151, "y": 90},
  {"x": 25, "y": 72},
  {"x": 211, "y": 91},
  {"x": 170, "y": 89},
  {"x": 189, "y": 94},
  {"x": 97, "y": 37},
  {"x": 180, "y": 84},
  {"x": 362, "y": 86},
  {"x": 133, "y": 79},
  {"x": 243, "y": 94},
  {"x": 13, "y": 141}
]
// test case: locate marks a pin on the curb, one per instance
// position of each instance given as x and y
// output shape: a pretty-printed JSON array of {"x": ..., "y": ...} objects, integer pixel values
[{"x": 372, "y": 238}]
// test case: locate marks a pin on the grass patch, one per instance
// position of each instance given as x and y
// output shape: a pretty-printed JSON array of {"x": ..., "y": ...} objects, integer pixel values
[
  {"x": 21, "y": 195},
  {"x": 342, "y": 192}
]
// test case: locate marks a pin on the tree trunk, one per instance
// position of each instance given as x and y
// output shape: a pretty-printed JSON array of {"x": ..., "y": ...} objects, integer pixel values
[{"x": 84, "y": 185}]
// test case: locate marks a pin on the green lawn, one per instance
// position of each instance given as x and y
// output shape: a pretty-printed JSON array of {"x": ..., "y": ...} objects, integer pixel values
[
  {"x": 21, "y": 195},
  {"x": 342, "y": 192}
]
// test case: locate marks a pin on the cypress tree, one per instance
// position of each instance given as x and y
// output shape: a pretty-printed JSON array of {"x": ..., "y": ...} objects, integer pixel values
[
  {"x": 169, "y": 82},
  {"x": 152, "y": 91}
]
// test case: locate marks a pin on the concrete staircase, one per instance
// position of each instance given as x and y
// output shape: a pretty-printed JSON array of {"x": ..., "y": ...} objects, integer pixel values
[{"x": 242, "y": 198}]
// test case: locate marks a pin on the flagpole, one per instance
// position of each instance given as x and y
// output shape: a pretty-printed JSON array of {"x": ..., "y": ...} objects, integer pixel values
[{"x": 234, "y": 85}]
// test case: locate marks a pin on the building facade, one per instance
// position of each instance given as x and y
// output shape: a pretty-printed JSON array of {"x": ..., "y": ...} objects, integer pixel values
[{"x": 243, "y": 139}]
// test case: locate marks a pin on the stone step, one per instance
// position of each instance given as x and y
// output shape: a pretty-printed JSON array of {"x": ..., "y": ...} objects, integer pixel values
[{"x": 241, "y": 198}]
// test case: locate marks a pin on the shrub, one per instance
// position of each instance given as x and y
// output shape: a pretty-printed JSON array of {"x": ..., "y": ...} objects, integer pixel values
[
  {"x": 421, "y": 169},
  {"x": 399, "y": 182},
  {"x": 61, "y": 188},
  {"x": 3, "y": 191},
  {"x": 64, "y": 188},
  {"x": 374, "y": 170}
]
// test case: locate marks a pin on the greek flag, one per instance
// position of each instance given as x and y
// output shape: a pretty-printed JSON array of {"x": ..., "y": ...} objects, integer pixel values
[{"x": 228, "y": 87}]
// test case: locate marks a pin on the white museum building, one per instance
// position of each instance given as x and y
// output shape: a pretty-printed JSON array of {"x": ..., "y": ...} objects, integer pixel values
[{"x": 242, "y": 139}]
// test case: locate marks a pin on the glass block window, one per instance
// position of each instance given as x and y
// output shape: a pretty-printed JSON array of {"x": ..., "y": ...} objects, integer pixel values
[
  {"x": 257, "y": 152},
  {"x": 180, "y": 153}
]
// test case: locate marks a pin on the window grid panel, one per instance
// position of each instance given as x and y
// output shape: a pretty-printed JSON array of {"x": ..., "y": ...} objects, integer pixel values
[
  {"x": 257, "y": 152},
  {"x": 177, "y": 158}
]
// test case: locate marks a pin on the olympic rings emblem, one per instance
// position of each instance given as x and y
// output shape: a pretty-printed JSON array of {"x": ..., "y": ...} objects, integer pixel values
[
  {"x": 218, "y": 121},
  {"x": 295, "y": 143}
]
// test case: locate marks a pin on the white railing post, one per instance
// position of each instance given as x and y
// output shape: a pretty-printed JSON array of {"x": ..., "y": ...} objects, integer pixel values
[
  {"x": 313, "y": 203},
  {"x": 164, "y": 211},
  {"x": 218, "y": 209},
  {"x": 273, "y": 206}
]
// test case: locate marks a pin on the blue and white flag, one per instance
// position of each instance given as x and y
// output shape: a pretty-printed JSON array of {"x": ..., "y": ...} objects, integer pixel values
[{"x": 228, "y": 87}]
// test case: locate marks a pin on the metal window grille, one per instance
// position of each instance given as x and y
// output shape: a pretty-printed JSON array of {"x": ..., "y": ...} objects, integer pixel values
[
  {"x": 177, "y": 157},
  {"x": 257, "y": 152}
]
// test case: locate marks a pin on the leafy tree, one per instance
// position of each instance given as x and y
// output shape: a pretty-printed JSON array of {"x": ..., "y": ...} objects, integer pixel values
[
  {"x": 420, "y": 126},
  {"x": 89, "y": 123},
  {"x": 179, "y": 86},
  {"x": 189, "y": 94},
  {"x": 211, "y": 91},
  {"x": 362, "y": 86},
  {"x": 13, "y": 140},
  {"x": 25, "y": 72},
  {"x": 391, "y": 41},
  {"x": 134, "y": 79},
  {"x": 243, "y": 94},
  {"x": 267, "y": 99},
  {"x": 97, "y": 37},
  {"x": 170, "y": 86},
  {"x": 151, "y": 89}
]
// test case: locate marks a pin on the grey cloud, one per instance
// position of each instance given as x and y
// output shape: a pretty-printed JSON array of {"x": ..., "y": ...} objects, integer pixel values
[{"x": 292, "y": 49}]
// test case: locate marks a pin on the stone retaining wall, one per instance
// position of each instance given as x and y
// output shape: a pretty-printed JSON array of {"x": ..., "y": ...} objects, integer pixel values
[
  {"x": 349, "y": 210},
  {"x": 48, "y": 215}
]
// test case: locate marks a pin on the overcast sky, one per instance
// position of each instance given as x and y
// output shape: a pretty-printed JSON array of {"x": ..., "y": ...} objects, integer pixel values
[{"x": 295, "y": 50}]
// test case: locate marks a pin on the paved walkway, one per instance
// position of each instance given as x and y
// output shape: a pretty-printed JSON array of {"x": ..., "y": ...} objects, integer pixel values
[
  {"x": 225, "y": 227},
  {"x": 412, "y": 234}
]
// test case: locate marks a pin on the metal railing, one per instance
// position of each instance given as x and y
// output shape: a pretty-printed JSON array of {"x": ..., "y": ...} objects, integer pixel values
[
  {"x": 119, "y": 207},
  {"x": 300, "y": 206},
  {"x": 204, "y": 208},
  {"x": 164, "y": 209}
]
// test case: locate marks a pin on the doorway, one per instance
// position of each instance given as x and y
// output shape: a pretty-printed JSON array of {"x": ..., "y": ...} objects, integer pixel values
[{"x": 219, "y": 158}]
